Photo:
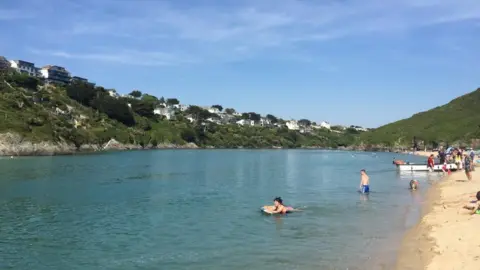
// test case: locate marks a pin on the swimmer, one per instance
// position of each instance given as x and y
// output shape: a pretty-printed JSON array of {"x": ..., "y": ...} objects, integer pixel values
[
  {"x": 278, "y": 207},
  {"x": 364, "y": 182},
  {"x": 413, "y": 184}
]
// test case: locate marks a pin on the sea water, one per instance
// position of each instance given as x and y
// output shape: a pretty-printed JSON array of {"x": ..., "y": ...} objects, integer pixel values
[{"x": 200, "y": 209}]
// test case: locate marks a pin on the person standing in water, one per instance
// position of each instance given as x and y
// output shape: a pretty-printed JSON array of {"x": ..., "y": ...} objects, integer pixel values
[{"x": 364, "y": 182}]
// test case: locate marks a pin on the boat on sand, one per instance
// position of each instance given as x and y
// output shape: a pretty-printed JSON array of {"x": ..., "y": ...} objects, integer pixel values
[{"x": 424, "y": 167}]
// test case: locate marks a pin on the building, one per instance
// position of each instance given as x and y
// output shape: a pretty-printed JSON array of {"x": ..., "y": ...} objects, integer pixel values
[
  {"x": 214, "y": 120},
  {"x": 246, "y": 122},
  {"x": 56, "y": 74},
  {"x": 24, "y": 67},
  {"x": 169, "y": 113},
  {"x": 113, "y": 94},
  {"x": 264, "y": 122},
  {"x": 183, "y": 107},
  {"x": 325, "y": 124},
  {"x": 214, "y": 110},
  {"x": 292, "y": 125},
  {"x": 359, "y": 128},
  {"x": 76, "y": 79}
]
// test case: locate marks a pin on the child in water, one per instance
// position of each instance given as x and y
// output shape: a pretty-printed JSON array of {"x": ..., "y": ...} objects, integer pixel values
[{"x": 413, "y": 184}]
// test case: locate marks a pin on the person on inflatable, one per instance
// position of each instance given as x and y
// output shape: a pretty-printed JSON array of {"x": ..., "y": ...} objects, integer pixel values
[{"x": 278, "y": 207}]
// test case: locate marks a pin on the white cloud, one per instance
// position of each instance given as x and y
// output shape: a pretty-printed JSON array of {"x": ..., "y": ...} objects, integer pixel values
[
  {"x": 242, "y": 28},
  {"x": 131, "y": 57}
]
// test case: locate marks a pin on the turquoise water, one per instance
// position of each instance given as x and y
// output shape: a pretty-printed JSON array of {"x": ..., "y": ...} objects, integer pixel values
[{"x": 199, "y": 209}]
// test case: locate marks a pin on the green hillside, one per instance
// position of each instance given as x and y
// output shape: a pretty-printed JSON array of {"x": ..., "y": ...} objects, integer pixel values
[
  {"x": 457, "y": 122},
  {"x": 82, "y": 114}
]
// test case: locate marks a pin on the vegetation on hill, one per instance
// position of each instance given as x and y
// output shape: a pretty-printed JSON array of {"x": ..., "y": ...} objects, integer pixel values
[
  {"x": 83, "y": 114},
  {"x": 457, "y": 122}
]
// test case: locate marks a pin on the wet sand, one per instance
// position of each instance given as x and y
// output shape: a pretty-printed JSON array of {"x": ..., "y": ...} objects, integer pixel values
[{"x": 447, "y": 235}]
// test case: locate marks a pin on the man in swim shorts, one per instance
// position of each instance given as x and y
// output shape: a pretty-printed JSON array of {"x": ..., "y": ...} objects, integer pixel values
[{"x": 364, "y": 181}]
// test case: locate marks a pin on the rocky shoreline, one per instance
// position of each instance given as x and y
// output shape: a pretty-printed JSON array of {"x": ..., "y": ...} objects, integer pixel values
[{"x": 12, "y": 144}]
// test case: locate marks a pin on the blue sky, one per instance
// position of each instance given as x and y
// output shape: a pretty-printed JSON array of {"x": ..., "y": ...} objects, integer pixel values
[{"x": 364, "y": 62}]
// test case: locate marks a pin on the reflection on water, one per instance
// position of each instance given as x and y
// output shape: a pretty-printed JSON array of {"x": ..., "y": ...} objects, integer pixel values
[{"x": 199, "y": 210}]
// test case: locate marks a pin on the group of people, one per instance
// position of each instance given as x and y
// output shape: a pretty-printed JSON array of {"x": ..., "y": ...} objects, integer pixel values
[
  {"x": 462, "y": 159},
  {"x": 278, "y": 206}
]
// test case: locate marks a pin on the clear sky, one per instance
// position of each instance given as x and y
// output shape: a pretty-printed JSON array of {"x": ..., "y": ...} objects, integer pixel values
[{"x": 363, "y": 62}]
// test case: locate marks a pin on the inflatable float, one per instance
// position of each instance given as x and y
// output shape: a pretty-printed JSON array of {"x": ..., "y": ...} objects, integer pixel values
[{"x": 289, "y": 210}]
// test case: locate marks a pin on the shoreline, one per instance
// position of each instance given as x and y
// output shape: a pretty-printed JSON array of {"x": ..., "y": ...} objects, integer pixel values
[{"x": 444, "y": 237}]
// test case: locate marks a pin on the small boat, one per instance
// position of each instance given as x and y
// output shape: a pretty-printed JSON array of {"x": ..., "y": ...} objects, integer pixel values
[{"x": 424, "y": 167}]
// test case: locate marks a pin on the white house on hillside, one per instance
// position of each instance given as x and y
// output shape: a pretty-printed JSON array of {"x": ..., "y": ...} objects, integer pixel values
[
  {"x": 56, "y": 74},
  {"x": 325, "y": 124},
  {"x": 24, "y": 67},
  {"x": 247, "y": 122},
  {"x": 113, "y": 94},
  {"x": 169, "y": 113},
  {"x": 292, "y": 125},
  {"x": 213, "y": 110},
  {"x": 265, "y": 121}
]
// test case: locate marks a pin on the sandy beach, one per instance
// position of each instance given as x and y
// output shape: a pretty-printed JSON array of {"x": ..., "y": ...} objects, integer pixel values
[{"x": 446, "y": 237}]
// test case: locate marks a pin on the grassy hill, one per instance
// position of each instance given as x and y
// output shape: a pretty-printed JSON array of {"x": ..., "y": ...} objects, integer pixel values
[
  {"x": 82, "y": 114},
  {"x": 457, "y": 122}
]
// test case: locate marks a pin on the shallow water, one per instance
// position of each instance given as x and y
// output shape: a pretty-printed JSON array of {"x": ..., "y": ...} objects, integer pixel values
[{"x": 194, "y": 209}]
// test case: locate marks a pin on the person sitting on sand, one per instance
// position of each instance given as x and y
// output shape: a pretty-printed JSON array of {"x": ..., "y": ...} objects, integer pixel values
[
  {"x": 474, "y": 206},
  {"x": 278, "y": 207},
  {"x": 413, "y": 184}
]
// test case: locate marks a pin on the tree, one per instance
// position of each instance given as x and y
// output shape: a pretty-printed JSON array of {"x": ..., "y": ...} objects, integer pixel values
[
  {"x": 150, "y": 98},
  {"x": 172, "y": 101},
  {"x": 115, "y": 108},
  {"x": 162, "y": 100},
  {"x": 82, "y": 92},
  {"x": 198, "y": 113},
  {"x": 136, "y": 94},
  {"x": 272, "y": 118},
  {"x": 143, "y": 108},
  {"x": 219, "y": 107},
  {"x": 188, "y": 135},
  {"x": 304, "y": 122},
  {"x": 229, "y": 111},
  {"x": 23, "y": 80},
  {"x": 251, "y": 116}
]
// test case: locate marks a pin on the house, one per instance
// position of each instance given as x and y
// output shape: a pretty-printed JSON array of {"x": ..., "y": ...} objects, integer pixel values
[
  {"x": 292, "y": 125},
  {"x": 190, "y": 118},
  {"x": 213, "y": 110},
  {"x": 183, "y": 107},
  {"x": 113, "y": 94},
  {"x": 264, "y": 122},
  {"x": 325, "y": 124},
  {"x": 246, "y": 122},
  {"x": 359, "y": 128},
  {"x": 169, "y": 113},
  {"x": 56, "y": 74},
  {"x": 306, "y": 129},
  {"x": 24, "y": 67},
  {"x": 82, "y": 80},
  {"x": 214, "y": 120}
]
